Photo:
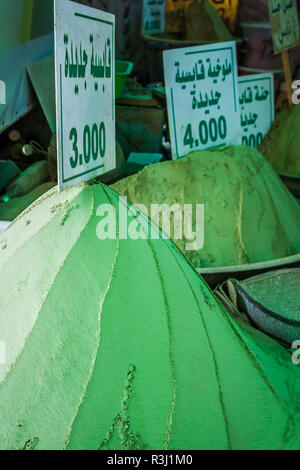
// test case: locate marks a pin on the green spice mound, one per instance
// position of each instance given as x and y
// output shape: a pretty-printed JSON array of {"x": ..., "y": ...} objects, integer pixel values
[
  {"x": 281, "y": 145},
  {"x": 119, "y": 344},
  {"x": 249, "y": 215},
  {"x": 203, "y": 23},
  {"x": 196, "y": 21}
]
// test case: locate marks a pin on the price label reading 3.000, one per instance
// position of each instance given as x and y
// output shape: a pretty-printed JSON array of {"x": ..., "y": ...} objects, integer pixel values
[
  {"x": 93, "y": 144},
  {"x": 85, "y": 92}
]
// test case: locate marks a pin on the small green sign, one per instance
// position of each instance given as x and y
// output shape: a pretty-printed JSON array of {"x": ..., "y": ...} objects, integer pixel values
[
  {"x": 284, "y": 23},
  {"x": 154, "y": 12}
]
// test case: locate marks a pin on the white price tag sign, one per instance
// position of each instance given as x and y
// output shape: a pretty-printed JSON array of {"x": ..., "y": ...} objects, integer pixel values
[
  {"x": 85, "y": 92},
  {"x": 154, "y": 14},
  {"x": 202, "y": 97},
  {"x": 256, "y": 95}
]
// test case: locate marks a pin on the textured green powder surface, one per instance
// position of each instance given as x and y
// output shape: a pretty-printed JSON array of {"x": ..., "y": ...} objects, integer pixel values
[
  {"x": 119, "y": 344},
  {"x": 281, "y": 146},
  {"x": 249, "y": 214}
]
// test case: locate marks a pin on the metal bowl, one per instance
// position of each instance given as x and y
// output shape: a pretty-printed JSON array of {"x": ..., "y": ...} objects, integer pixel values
[{"x": 215, "y": 276}]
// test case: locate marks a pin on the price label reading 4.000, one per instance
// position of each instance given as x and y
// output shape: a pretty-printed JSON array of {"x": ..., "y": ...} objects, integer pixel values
[
  {"x": 208, "y": 131},
  {"x": 202, "y": 96},
  {"x": 85, "y": 92}
]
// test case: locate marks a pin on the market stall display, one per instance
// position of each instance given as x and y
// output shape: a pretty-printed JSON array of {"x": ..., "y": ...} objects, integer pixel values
[
  {"x": 149, "y": 228},
  {"x": 119, "y": 361}
]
